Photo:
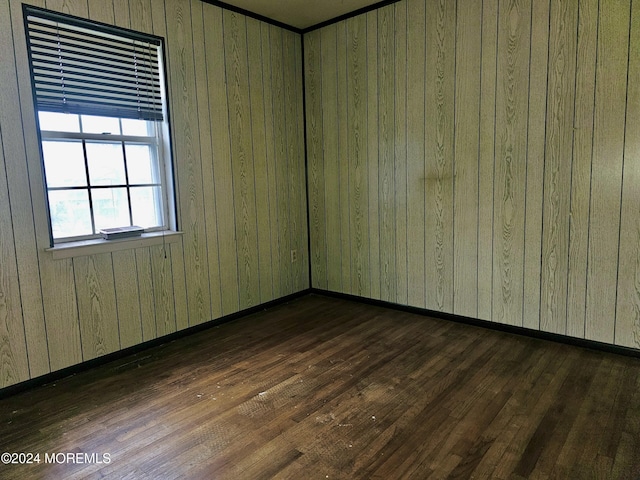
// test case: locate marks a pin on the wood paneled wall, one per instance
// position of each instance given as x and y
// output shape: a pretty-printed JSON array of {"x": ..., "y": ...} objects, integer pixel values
[
  {"x": 235, "y": 88},
  {"x": 481, "y": 158}
]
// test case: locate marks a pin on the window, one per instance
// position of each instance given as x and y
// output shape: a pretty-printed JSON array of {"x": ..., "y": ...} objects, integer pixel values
[{"x": 99, "y": 96}]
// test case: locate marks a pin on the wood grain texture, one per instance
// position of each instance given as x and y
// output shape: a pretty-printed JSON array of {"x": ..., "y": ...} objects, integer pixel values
[
  {"x": 14, "y": 364},
  {"x": 226, "y": 257},
  {"x": 97, "y": 309},
  {"x": 188, "y": 164},
  {"x": 386, "y": 135},
  {"x": 557, "y": 170},
  {"x": 270, "y": 159},
  {"x": 292, "y": 62},
  {"x": 627, "y": 327},
  {"x": 163, "y": 289},
  {"x": 101, "y": 11},
  {"x": 259, "y": 141},
  {"x": 342, "y": 389},
  {"x": 281, "y": 159},
  {"x": 488, "y": 84},
  {"x": 401, "y": 95},
  {"x": 440, "y": 111},
  {"x": 147, "y": 299},
  {"x": 357, "y": 153},
  {"x": 372, "y": 153},
  {"x": 466, "y": 158},
  {"x": 606, "y": 168},
  {"x": 140, "y": 12},
  {"x": 122, "y": 15},
  {"x": 536, "y": 135},
  {"x": 241, "y": 157},
  {"x": 510, "y": 163},
  {"x": 71, "y": 7},
  {"x": 315, "y": 158},
  {"x": 127, "y": 297},
  {"x": 14, "y": 76},
  {"x": 330, "y": 146},
  {"x": 207, "y": 160},
  {"x": 581, "y": 166},
  {"x": 179, "y": 286},
  {"x": 343, "y": 157},
  {"x": 416, "y": 70}
]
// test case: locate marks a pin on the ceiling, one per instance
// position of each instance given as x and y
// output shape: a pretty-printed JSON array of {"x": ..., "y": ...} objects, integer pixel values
[{"x": 301, "y": 13}]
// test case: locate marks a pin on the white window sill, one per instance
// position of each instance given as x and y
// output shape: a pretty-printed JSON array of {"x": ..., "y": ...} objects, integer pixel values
[{"x": 95, "y": 246}]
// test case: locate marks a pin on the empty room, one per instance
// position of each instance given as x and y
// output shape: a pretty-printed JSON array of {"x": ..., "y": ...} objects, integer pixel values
[{"x": 343, "y": 239}]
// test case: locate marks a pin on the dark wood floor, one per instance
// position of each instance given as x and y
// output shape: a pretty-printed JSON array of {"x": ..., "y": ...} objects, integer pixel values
[{"x": 324, "y": 388}]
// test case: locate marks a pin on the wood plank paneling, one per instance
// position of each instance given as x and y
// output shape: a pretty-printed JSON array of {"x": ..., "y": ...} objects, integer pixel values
[
  {"x": 557, "y": 170},
  {"x": 400, "y": 149},
  {"x": 581, "y": 166},
  {"x": 206, "y": 148},
  {"x": 386, "y": 174},
  {"x": 20, "y": 225},
  {"x": 237, "y": 80},
  {"x": 439, "y": 98},
  {"x": 606, "y": 168},
  {"x": 487, "y": 154},
  {"x": 343, "y": 157},
  {"x": 97, "y": 310},
  {"x": 539, "y": 58},
  {"x": 357, "y": 154},
  {"x": 466, "y": 157},
  {"x": 480, "y": 137},
  {"x": 315, "y": 158},
  {"x": 260, "y": 165},
  {"x": 514, "y": 22},
  {"x": 372, "y": 153},
  {"x": 627, "y": 327},
  {"x": 416, "y": 69},
  {"x": 330, "y": 147},
  {"x": 188, "y": 163},
  {"x": 127, "y": 297},
  {"x": 163, "y": 295}
]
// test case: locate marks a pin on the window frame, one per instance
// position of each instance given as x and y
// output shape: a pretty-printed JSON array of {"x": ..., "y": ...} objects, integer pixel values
[{"x": 161, "y": 140}]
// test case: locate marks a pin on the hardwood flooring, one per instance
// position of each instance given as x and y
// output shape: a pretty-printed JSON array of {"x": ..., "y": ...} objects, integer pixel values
[{"x": 326, "y": 388}]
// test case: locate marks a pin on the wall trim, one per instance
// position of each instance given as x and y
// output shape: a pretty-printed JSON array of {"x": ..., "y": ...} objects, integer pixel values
[
  {"x": 257, "y": 16},
  {"x": 141, "y": 347},
  {"x": 300, "y": 31},
  {"x": 512, "y": 329}
]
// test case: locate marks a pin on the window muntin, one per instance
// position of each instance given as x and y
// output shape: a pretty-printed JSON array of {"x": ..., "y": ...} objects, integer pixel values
[{"x": 108, "y": 178}]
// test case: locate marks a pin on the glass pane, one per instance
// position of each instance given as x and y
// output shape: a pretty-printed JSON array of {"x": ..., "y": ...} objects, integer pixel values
[
  {"x": 93, "y": 124},
  {"x": 70, "y": 214},
  {"x": 59, "y": 122},
  {"x": 64, "y": 163},
  {"x": 146, "y": 206},
  {"x": 106, "y": 163},
  {"x": 110, "y": 207},
  {"x": 141, "y": 164},
  {"x": 137, "y": 128}
]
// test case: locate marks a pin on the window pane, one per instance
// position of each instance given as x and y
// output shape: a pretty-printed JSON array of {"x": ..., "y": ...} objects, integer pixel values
[
  {"x": 70, "y": 214},
  {"x": 106, "y": 163},
  {"x": 93, "y": 124},
  {"x": 141, "y": 164},
  {"x": 110, "y": 207},
  {"x": 59, "y": 122},
  {"x": 146, "y": 206},
  {"x": 137, "y": 128},
  {"x": 64, "y": 163}
]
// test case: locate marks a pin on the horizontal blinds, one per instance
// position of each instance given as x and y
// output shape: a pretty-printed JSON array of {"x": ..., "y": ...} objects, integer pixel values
[{"x": 85, "y": 71}]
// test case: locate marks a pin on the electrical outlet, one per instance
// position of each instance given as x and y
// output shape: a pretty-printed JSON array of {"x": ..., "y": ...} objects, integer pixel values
[{"x": 294, "y": 256}]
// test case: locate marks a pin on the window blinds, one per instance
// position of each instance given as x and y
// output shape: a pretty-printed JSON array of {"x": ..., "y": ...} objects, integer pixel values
[{"x": 85, "y": 69}]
